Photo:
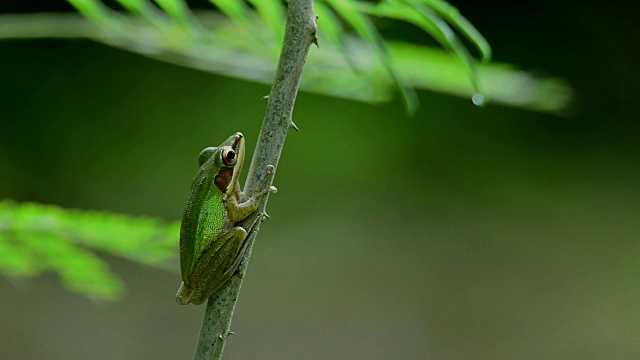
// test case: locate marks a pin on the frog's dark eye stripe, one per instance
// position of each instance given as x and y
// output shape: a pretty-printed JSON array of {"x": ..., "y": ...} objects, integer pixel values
[{"x": 229, "y": 156}]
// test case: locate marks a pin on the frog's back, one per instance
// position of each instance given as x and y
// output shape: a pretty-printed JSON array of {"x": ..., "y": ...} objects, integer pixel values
[
  {"x": 203, "y": 220},
  {"x": 212, "y": 220}
]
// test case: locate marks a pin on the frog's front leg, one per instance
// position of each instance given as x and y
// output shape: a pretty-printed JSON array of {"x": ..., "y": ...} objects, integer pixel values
[
  {"x": 240, "y": 208},
  {"x": 213, "y": 267}
]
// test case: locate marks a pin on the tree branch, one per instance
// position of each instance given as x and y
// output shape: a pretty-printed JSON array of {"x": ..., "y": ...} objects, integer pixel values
[{"x": 300, "y": 33}]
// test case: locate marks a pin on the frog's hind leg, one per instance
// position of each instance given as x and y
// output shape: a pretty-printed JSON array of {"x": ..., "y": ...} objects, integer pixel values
[
  {"x": 240, "y": 255},
  {"x": 216, "y": 265}
]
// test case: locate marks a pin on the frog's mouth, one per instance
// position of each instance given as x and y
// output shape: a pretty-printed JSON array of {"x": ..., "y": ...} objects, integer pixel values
[{"x": 237, "y": 144}]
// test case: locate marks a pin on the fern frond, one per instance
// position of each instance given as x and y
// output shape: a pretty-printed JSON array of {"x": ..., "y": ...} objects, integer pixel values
[
  {"x": 248, "y": 51},
  {"x": 357, "y": 14},
  {"x": 36, "y": 238},
  {"x": 453, "y": 17},
  {"x": 352, "y": 13},
  {"x": 356, "y": 64},
  {"x": 237, "y": 10},
  {"x": 96, "y": 12},
  {"x": 273, "y": 13}
]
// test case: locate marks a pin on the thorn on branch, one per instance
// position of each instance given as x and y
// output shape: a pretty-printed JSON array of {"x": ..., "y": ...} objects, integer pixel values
[{"x": 314, "y": 39}]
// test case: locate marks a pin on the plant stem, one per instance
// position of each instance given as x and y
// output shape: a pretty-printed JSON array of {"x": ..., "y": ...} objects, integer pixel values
[{"x": 300, "y": 33}]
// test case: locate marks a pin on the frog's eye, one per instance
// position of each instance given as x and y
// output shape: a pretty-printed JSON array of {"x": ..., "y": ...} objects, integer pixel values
[{"x": 229, "y": 156}]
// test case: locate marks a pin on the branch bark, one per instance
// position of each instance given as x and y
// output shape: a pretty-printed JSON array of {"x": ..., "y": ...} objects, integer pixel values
[{"x": 300, "y": 33}]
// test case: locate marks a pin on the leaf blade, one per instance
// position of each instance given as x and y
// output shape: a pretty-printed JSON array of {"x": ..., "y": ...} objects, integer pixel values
[
  {"x": 36, "y": 237},
  {"x": 352, "y": 13},
  {"x": 453, "y": 16},
  {"x": 431, "y": 23}
]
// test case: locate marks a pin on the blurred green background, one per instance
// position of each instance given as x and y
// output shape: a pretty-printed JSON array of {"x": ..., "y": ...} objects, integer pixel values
[{"x": 460, "y": 233}]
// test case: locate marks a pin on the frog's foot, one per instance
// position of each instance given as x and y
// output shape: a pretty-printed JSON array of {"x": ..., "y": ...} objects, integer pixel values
[
  {"x": 267, "y": 179},
  {"x": 183, "y": 297},
  {"x": 272, "y": 189}
]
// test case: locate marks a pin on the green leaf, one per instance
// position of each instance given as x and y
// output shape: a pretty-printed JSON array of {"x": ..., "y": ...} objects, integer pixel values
[
  {"x": 144, "y": 9},
  {"x": 15, "y": 258},
  {"x": 135, "y": 6},
  {"x": 242, "y": 44},
  {"x": 330, "y": 29},
  {"x": 98, "y": 13},
  {"x": 351, "y": 12},
  {"x": 273, "y": 13},
  {"x": 181, "y": 15},
  {"x": 453, "y": 17},
  {"x": 36, "y": 238},
  {"x": 79, "y": 269},
  {"x": 431, "y": 23},
  {"x": 352, "y": 72},
  {"x": 177, "y": 9},
  {"x": 235, "y": 9}
]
